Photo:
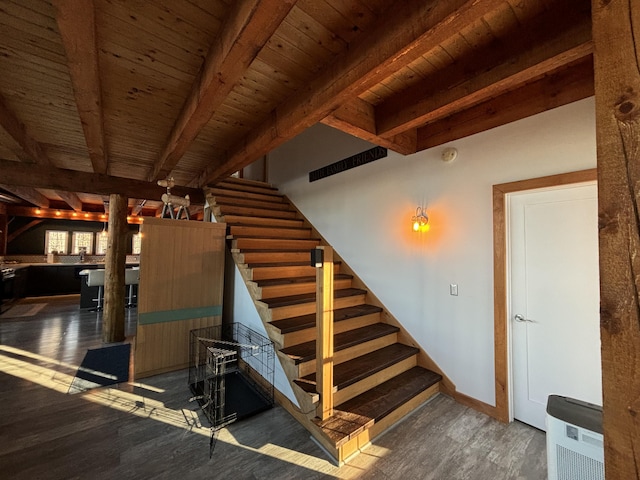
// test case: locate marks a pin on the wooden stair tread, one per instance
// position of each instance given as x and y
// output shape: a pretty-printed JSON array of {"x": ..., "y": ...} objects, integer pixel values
[
  {"x": 258, "y": 237},
  {"x": 305, "y": 352},
  {"x": 261, "y": 194},
  {"x": 243, "y": 210},
  {"x": 246, "y": 221},
  {"x": 250, "y": 202},
  {"x": 244, "y": 187},
  {"x": 294, "y": 324},
  {"x": 282, "y": 264},
  {"x": 273, "y": 233},
  {"x": 291, "y": 280},
  {"x": 309, "y": 297},
  {"x": 246, "y": 181},
  {"x": 276, "y": 244},
  {"x": 267, "y": 228},
  {"x": 361, "y": 412},
  {"x": 276, "y": 264},
  {"x": 241, "y": 182},
  {"x": 352, "y": 371},
  {"x": 284, "y": 250}
]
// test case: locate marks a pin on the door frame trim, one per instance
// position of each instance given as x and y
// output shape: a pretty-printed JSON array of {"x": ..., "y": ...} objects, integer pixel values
[{"x": 500, "y": 300}]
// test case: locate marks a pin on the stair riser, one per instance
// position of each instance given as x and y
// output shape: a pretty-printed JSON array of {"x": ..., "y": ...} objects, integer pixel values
[
  {"x": 296, "y": 289},
  {"x": 347, "y": 354},
  {"x": 249, "y": 202},
  {"x": 273, "y": 244},
  {"x": 362, "y": 440},
  {"x": 253, "y": 212},
  {"x": 269, "y": 273},
  {"x": 365, "y": 384},
  {"x": 306, "y": 335},
  {"x": 270, "y": 232},
  {"x": 260, "y": 221},
  {"x": 307, "y": 308}
]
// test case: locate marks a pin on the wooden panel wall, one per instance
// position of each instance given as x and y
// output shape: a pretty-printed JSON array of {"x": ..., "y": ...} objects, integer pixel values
[{"x": 181, "y": 286}]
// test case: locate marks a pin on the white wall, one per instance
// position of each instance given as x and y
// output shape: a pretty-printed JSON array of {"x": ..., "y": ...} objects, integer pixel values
[
  {"x": 239, "y": 308},
  {"x": 365, "y": 214},
  {"x": 244, "y": 311}
]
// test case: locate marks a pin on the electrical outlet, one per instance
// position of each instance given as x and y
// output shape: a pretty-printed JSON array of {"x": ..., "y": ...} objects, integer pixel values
[{"x": 453, "y": 289}]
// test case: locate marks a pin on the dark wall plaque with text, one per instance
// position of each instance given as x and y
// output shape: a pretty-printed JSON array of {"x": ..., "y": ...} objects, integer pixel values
[{"x": 347, "y": 163}]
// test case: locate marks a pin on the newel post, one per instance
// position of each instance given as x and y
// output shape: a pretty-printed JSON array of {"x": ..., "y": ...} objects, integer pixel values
[{"x": 322, "y": 259}]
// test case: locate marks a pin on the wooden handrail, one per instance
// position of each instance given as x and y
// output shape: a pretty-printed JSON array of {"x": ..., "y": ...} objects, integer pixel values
[{"x": 324, "y": 326}]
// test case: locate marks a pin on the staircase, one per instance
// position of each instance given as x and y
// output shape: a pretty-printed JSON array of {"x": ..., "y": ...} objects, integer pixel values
[{"x": 380, "y": 373}]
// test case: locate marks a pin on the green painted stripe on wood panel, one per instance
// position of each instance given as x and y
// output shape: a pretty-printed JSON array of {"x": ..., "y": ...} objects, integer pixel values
[{"x": 149, "y": 318}]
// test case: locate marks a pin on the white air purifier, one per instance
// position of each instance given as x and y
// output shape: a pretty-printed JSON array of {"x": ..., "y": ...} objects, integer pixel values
[{"x": 575, "y": 447}]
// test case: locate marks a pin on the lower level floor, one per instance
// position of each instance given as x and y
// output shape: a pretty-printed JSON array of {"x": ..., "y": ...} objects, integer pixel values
[{"x": 150, "y": 429}]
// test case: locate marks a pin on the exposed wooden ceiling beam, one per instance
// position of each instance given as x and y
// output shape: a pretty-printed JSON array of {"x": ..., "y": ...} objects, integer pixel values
[
  {"x": 408, "y": 30},
  {"x": 357, "y": 118},
  {"x": 30, "y": 175},
  {"x": 76, "y": 22},
  {"x": 247, "y": 29},
  {"x": 71, "y": 199},
  {"x": 24, "y": 228},
  {"x": 137, "y": 208},
  {"x": 568, "y": 85},
  {"x": 29, "y": 194},
  {"x": 31, "y": 151},
  {"x": 542, "y": 46}
]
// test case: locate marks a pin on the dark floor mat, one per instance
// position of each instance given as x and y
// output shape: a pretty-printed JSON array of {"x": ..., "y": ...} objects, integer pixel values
[
  {"x": 102, "y": 367},
  {"x": 241, "y": 399}
]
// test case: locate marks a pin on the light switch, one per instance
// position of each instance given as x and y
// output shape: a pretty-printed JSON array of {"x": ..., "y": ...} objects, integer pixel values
[{"x": 453, "y": 289}]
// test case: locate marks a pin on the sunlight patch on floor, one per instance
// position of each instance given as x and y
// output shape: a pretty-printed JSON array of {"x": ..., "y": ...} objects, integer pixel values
[
  {"x": 188, "y": 420},
  {"x": 35, "y": 356}
]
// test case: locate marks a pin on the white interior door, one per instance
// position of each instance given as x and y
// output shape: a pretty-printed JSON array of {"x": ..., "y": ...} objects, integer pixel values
[{"x": 554, "y": 298}]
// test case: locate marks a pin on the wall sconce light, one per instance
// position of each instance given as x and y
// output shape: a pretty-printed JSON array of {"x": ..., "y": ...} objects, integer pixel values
[{"x": 420, "y": 221}]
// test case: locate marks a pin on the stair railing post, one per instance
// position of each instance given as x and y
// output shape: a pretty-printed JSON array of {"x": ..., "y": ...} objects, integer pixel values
[{"x": 322, "y": 258}]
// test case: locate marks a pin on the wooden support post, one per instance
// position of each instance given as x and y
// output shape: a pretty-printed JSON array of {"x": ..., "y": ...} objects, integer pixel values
[
  {"x": 4, "y": 229},
  {"x": 616, "y": 34},
  {"x": 324, "y": 326},
  {"x": 114, "y": 266}
]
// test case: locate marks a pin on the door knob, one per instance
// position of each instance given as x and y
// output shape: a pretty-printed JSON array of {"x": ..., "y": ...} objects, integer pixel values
[{"x": 520, "y": 318}]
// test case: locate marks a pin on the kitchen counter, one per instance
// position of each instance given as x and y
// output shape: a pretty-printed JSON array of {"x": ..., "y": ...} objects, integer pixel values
[
  {"x": 42, "y": 279},
  {"x": 17, "y": 266}
]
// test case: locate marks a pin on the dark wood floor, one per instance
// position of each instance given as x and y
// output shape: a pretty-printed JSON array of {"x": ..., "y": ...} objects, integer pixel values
[{"x": 150, "y": 430}]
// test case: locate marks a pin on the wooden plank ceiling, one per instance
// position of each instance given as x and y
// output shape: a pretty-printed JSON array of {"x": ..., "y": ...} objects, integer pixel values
[{"x": 197, "y": 89}]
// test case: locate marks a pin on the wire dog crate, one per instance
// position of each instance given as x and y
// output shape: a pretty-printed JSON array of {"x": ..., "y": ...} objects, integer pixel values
[{"x": 231, "y": 372}]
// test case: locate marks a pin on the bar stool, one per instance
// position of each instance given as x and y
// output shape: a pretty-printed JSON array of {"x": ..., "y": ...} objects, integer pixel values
[
  {"x": 131, "y": 278},
  {"x": 95, "y": 278}
]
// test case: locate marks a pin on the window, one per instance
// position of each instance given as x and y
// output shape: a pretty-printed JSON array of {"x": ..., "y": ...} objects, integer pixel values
[
  {"x": 101, "y": 242},
  {"x": 136, "y": 242},
  {"x": 56, "y": 241},
  {"x": 82, "y": 240}
]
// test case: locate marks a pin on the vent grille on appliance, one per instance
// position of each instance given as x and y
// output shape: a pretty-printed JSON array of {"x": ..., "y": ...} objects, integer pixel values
[
  {"x": 575, "y": 447},
  {"x": 573, "y": 465}
]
